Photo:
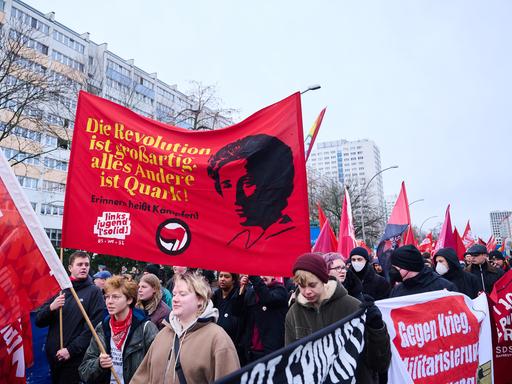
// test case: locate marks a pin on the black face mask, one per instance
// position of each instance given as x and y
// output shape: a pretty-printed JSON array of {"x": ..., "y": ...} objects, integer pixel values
[{"x": 394, "y": 275}]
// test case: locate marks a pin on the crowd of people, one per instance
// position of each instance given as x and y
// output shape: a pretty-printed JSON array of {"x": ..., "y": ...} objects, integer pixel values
[{"x": 199, "y": 326}]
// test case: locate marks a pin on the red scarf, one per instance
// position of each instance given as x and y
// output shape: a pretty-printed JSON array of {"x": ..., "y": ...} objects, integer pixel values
[{"x": 120, "y": 329}]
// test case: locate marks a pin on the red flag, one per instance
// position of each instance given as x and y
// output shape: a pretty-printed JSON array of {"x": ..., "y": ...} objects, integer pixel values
[
  {"x": 482, "y": 241},
  {"x": 233, "y": 199},
  {"x": 362, "y": 244},
  {"x": 460, "y": 249},
  {"x": 346, "y": 237},
  {"x": 310, "y": 138},
  {"x": 30, "y": 272},
  {"x": 446, "y": 238},
  {"x": 426, "y": 244},
  {"x": 491, "y": 244},
  {"x": 468, "y": 238},
  {"x": 324, "y": 242},
  {"x": 409, "y": 237},
  {"x": 322, "y": 219}
]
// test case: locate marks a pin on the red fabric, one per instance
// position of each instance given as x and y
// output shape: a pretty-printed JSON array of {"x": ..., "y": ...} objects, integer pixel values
[
  {"x": 346, "y": 236},
  {"x": 460, "y": 249},
  {"x": 324, "y": 241},
  {"x": 409, "y": 237},
  {"x": 468, "y": 238},
  {"x": 400, "y": 213},
  {"x": 446, "y": 238},
  {"x": 491, "y": 244},
  {"x": 426, "y": 244},
  {"x": 167, "y": 195},
  {"x": 120, "y": 329}
]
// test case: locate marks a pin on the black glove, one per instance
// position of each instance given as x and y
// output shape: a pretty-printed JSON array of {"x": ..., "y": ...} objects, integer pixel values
[{"x": 373, "y": 315}]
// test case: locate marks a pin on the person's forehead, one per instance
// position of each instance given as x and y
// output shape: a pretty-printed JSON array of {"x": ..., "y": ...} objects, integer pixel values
[{"x": 81, "y": 260}]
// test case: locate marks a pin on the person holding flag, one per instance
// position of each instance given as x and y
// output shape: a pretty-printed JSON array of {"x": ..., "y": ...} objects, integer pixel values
[{"x": 64, "y": 361}]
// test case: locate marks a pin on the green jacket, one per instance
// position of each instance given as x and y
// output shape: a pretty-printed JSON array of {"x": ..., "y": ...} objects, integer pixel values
[
  {"x": 139, "y": 339},
  {"x": 304, "y": 319}
]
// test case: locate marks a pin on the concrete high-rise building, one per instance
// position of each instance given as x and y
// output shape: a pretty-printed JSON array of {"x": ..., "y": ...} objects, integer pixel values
[
  {"x": 390, "y": 201},
  {"x": 501, "y": 225},
  {"x": 352, "y": 163},
  {"x": 52, "y": 49}
]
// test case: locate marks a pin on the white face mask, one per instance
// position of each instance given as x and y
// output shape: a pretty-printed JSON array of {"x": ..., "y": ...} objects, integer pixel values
[
  {"x": 358, "y": 265},
  {"x": 441, "y": 268}
]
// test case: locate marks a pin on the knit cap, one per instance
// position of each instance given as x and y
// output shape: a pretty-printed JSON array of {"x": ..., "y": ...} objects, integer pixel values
[
  {"x": 314, "y": 263},
  {"x": 408, "y": 257}
]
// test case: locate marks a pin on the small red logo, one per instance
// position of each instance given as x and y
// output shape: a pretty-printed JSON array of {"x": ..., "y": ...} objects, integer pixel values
[{"x": 173, "y": 236}]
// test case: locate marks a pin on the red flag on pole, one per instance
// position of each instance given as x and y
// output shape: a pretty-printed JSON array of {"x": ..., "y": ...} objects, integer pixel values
[
  {"x": 446, "y": 238},
  {"x": 324, "y": 241},
  {"x": 346, "y": 236},
  {"x": 491, "y": 244},
  {"x": 426, "y": 244},
  {"x": 30, "y": 272},
  {"x": 467, "y": 237},
  {"x": 460, "y": 249},
  {"x": 322, "y": 219},
  {"x": 313, "y": 132}
]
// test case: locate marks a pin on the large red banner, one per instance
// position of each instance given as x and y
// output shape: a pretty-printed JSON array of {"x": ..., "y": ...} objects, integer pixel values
[{"x": 233, "y": 199}]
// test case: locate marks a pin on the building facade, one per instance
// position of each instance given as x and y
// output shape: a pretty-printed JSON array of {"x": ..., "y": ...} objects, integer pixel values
[
  {"x": 352, "y": 163},
  {"x": 38, "y": 145},
  {"x": 501, "y": 225}
]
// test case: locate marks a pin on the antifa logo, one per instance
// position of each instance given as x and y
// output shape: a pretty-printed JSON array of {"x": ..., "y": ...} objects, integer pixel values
[{"x": 173, "y": 236}]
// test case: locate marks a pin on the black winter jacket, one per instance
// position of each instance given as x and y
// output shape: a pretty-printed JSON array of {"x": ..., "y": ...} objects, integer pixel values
[
  {"x": 76, "y": 333},
  {"x": 466, "y": 282},
  {"x": 426, "y": 281},
  {"x": 487, "y": 273},
  {"x": 374, "y": 285},
  {"x": 229, "y": 319},
  {"x": 264, "y": 307}
]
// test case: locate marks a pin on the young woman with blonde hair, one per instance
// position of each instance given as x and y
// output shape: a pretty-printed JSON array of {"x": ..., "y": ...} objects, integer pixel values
[{"x": 150, "y": 299}]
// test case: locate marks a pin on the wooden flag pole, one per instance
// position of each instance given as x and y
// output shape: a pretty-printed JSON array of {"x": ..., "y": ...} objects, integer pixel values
[
  {"x": 60, "y": 309},
  {"x": 93, "y": 331}
]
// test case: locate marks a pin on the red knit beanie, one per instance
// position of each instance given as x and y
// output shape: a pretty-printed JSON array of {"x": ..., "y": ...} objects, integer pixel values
[{"x": 314, "y": 263}]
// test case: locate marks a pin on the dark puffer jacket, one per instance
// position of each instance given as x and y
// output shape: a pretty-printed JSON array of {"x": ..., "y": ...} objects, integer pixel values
[
  {"x": 374, "y": 285},
  {"x": 139, "y": 339},
  {"x": 304, "y": 319},
  {"x": 486, "y": 275},
  {"x": 425, "y": 281},
  {"x": 466, "y": 282}
]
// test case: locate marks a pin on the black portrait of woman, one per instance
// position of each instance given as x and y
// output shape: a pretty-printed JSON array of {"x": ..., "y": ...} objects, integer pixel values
[{"x": 255, "y": 174}]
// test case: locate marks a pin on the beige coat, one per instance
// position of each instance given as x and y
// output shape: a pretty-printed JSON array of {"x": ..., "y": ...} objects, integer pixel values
[{"x": 206, "y": 353}]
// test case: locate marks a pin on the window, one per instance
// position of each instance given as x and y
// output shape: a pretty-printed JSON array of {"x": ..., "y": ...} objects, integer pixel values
[
  {"x": 55, "y": 236},
  {"x": 118, "y": 68},
  {"x": 51, "y": 209},
  {"x": 68, "y": 41},
  {"x": 31, "y": 43},
  {"x": 55, "y": 164},
  {"x": 23, "y": 132},
  {"x": 26, "y": 158},
  {"x": 52, "y": 186},
  {"x": 16, "y": 14},
  {"x": 66, "y": 60},
  {"x": 28, "y": 182},
  {"x": 50, "y": 141},
  {"x": 34, "y": 205}
]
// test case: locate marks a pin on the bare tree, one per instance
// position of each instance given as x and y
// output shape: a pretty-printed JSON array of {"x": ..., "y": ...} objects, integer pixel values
[
  {"x": 329, "y": 194},
  {"x": 35, "y": 95},
  {"x": 206, "y": 111}
]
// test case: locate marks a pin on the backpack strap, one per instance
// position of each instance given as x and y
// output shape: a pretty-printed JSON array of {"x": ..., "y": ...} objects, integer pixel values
[{"x": 179, "y": 369}]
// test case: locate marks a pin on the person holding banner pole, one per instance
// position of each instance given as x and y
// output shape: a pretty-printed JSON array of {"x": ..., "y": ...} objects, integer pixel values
[
  {"x": 322, "y": 301},
  {"x": 64, "y": 362}
]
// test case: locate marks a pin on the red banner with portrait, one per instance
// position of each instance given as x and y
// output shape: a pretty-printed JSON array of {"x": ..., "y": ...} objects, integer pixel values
[{"x": 232, "y": 199}]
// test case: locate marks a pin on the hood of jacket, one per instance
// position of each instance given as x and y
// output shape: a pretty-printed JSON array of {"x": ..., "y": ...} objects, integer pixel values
[
  {"x": 334, "y": 291},
  {"x": 208, "y": 315}
]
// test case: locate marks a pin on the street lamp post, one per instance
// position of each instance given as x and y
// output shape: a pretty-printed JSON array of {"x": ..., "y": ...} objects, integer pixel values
[
  {"x": 364, "y": 196},
  {"x": 416, "y": 201},
  {"x": 313, "y": 87},
  {"x": 424, "y": 221}
]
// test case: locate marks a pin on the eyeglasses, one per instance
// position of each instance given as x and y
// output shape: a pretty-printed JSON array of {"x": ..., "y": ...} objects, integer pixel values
[
  {"x": 338, "y": 269},
  {"x": 113, "y": 297}
]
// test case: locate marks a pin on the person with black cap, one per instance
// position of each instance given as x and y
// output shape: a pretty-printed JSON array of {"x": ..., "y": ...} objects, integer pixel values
[
  {"x": 320, "y": 301},
  {"x": 408, "y": 268},
  {"x": 448, "y": 266},
  {"x": 485, "y": 273},
  {"x": 498, "y": 260},
  {"x": 374, "y": 285}
]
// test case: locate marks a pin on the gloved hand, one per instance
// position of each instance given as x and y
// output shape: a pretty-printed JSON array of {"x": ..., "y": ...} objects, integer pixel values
[{"x": 373, "y": 314}]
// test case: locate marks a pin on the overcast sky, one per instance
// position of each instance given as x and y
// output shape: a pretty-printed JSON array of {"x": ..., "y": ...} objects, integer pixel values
[{"x": 429, "y": 81}]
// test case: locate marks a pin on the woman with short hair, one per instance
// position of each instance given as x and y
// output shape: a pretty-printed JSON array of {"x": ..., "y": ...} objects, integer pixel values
[
  {"x": 150, "y": 299},
  {"x": 191, "y": 347}
]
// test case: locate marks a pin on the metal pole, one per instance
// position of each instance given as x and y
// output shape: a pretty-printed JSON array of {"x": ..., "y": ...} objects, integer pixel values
[{"x": 424, "y": 221}]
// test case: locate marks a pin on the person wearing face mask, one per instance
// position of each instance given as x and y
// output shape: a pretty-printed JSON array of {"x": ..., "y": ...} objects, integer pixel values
[
  {"x": 448, "y": 266},
  {"x": 374, "y": 285},
  {"x": 408, "y": 268}
]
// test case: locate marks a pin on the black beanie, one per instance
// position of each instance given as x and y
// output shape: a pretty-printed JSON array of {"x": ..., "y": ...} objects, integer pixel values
[
  {"x": 153, "y": 268},
  {"x": 408, "y": 257},
  {"x": 360, "y": 251},
  {"x": 314, "y": 263}
]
